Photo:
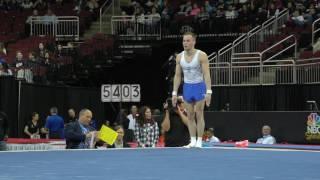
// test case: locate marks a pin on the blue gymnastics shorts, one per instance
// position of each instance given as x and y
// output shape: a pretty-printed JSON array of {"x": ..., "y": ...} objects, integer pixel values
[{"x": 194, "y": 92}]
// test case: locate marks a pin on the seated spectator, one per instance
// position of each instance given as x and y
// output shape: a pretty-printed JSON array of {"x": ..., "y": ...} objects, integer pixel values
[
  {"x": 175, "y": 124},
  {"x": 35, "y": 65},
  {"x": 41, "y": 51},
  {"x": 195, "y": 10},
  {"x": 55, "y": 124},
  {"x": 92, "y": 5},
  {"x": 4, "y": 69},
  {"x": 298, "y": 19},
  {"x": 49, "y": 17},
  {"x": 21, "y": 68},
  {"x": 146, "y": 129},
  {"x": 27, "y": 4},
  {"x": 32, "y": 128},
  {"x": 208, "y": 8},
  {"x": 210, "y": 136},
  {"x": 3, "y": 50},
  {"x": 40, "y": 5},
  {"x": 149, "y": 5},
  {"x": 185, "y": 9},
  {"x": 120, "y": 141},
  {"x": 79, "y": 134},
  {"x": 266, "y": 138}
]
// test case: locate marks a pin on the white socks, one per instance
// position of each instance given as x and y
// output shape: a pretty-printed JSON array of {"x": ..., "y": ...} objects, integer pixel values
[
  {"x": 195, "y": 142},
  {"x": 199, "y": 142}
]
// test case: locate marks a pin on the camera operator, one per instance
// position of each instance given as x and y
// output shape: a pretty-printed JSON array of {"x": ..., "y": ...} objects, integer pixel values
[{"x": 175, "y": 124}]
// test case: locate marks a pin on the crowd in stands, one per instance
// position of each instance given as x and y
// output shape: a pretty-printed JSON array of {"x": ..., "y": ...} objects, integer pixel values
[{"x": 220, "y": 16}]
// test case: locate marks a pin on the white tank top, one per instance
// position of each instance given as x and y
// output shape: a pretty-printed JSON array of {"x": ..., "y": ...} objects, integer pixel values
[{"x": 192, "y": 70}]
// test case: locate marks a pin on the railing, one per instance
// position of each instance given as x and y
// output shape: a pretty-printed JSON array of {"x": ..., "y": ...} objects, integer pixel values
[
  {"x": 280, "y": 47},
  {"x": 58, "y": 26},
  {"x": 220, "y": 73},
  {"x": 308, "y": 71},
  {"x": 279, "y": 72},
  {"x": 250, "y": 41},
  {"x": 212, "y": 57},
  {"x": 224, "y": 54},
  {"x": 136, "y": 27},
  {"x": 106, "y": 6},
  {"x": 244, "y": 68},
  {"x": 315, "y": 30}
]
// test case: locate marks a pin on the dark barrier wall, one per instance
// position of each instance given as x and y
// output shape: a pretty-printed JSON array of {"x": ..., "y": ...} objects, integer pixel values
[
  {"x": 265, "y": 98},
  {"x": 244, "y": 125},
  {"x": 40, "y": 98},
  {"x": 9, "y": 102},
  {"x": 287, "y": 127}
]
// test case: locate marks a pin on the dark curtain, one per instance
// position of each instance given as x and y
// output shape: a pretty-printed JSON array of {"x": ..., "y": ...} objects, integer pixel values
[
  {"x": 37, "y": 98},
  {"x": 9, "y": 102},
  {"x": 265, "y": 98}
]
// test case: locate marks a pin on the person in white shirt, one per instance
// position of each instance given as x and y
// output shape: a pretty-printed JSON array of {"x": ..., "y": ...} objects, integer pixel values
[
  {"x": 192, "y": 64},
  {"x": 266, "y": 138},
  {"x": 211, "y": 137},
  {"x": 132, "y": 117}
]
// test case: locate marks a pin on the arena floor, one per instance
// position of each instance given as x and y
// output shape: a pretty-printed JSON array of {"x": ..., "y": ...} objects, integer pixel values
[{"x": 219, "y": 163}]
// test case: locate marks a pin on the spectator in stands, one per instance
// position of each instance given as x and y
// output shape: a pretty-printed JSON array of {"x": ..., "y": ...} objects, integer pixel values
[
  {"x": 266, "y": 138},
  {"x": 175, "y": 124},
  {"x": 59, "y": 51},
  {"x": 120, "y": 141},
  {"x": 231, "y": 13},
  {"x": 79, "y": 134},
  {"x": 146, "y": 129},
  {"x": 3, "y": 50},
  {"x": 92, "y": 5},
  {"x": 41, "y": 51},
  {"x": 149, "y": 5},
  {"x": 4, "y": 69},
  {"x": 290, "y": 7},
  {"x": 166, "y": 14},
  {"x": 21, "y": 68},
  {"x": 35, "y": 65},
  {"x": 195, "y": 10},
  {"x": 55, "y": 124},
  {"x": 33, "y": 127},
  {"x": 298, "y": 19},
  {"x": 211, "y": 138},
  {"x": 4, "y": 129},
  {"x": 273, "y": 10},
  {"x": 71, "y": 116},
  {"x": 208, "y": 8},
  {"x": 49, "y": 18},
  {"x": 186, "y": 8},
  {"x": 78, "y": 5},
  {"x": 27, "y": 4},
  {"x": 132, "y": 117},
  {"x": 40, "y": 5},
  {"x": 203, "y": 18},
  {"x": 122, "y": 119}
]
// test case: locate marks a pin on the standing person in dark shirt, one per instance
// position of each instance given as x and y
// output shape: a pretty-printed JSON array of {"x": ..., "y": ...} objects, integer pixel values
[
  {"x": 175, "y": 123},
  {"x": 32, "y": 128},
  {"x": 4, "y": 128}
]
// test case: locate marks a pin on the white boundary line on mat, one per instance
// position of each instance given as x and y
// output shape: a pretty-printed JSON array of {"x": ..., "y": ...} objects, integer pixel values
[{"x": 164, "y": 148}]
